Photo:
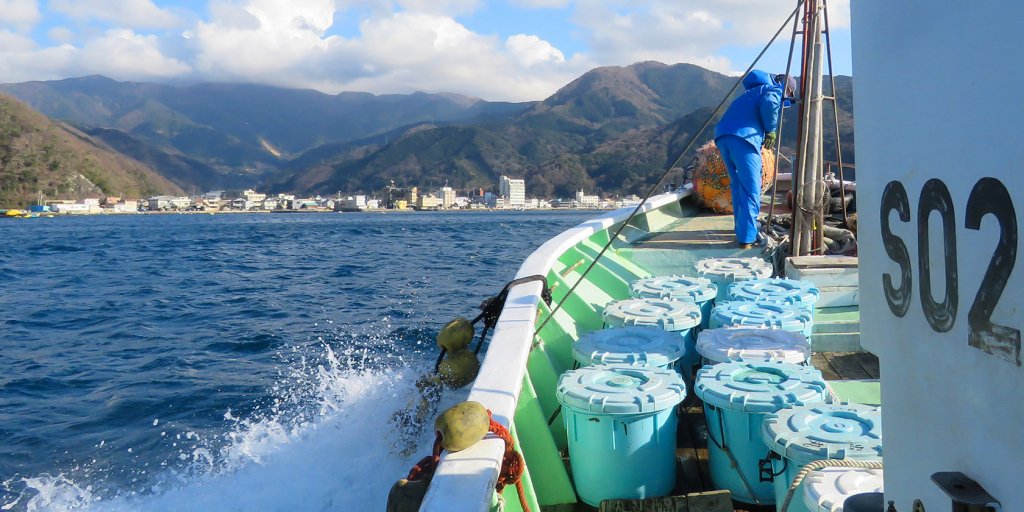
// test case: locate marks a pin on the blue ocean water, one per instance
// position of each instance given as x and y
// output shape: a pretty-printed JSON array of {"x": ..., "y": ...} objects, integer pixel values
[{"x": 230, "y": 362}]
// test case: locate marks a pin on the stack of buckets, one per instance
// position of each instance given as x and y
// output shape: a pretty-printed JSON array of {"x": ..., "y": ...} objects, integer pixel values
[
  {"x": 619, "y": 412},
  {"x": 619, "y": 407}
]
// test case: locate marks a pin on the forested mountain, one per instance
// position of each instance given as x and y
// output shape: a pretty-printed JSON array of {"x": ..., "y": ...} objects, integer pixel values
[
  {"x": 40, "y": 156},
  {"x": 612, "y": 130}
]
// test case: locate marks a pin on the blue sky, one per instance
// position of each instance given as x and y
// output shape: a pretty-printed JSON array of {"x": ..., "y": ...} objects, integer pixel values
[{"x": 512, "y": 50}]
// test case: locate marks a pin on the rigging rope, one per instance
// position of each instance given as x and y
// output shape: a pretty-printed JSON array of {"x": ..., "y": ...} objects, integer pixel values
[{"x": 668, "y": 169}]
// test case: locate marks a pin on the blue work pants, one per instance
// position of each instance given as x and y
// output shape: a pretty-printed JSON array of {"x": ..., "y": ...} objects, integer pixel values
[{"x": 743, "y": 161}]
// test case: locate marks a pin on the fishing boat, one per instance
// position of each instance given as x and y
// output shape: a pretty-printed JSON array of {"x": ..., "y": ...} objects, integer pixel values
[{"x": 938, "y": 316}]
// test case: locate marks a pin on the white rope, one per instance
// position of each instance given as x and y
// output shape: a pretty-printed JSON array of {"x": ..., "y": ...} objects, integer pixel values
[{"x": 828, "y": 463}]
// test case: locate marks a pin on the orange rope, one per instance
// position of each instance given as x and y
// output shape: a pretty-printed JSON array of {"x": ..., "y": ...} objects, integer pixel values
[
  {"x": 512, "y": 464},
  {"x": 427, "y": 465}
]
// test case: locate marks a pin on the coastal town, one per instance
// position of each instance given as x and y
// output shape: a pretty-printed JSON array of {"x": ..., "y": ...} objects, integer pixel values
[{"x": 511, "y": 195}]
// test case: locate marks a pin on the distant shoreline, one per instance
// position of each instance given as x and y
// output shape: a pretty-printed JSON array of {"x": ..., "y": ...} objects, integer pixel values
[{"x": 240, "y": 212}]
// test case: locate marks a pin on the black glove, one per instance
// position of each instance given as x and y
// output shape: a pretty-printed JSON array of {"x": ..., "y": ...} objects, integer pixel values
[{"x": 769, "y": 140}]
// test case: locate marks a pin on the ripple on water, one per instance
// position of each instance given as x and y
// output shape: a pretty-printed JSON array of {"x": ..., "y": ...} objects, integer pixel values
[{"x": 223, "y": 362}]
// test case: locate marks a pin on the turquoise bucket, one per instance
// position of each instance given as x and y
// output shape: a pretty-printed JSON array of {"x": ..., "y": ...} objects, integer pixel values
[
  {"x": 630, "y": 346},
  {"x": 621, "y": 425},
  {"x": 698, "y": 290},
  {"x": 762, "y": 314},
  {"x": 800, "y": 435},
  {"x": 669, "y": 315},
  {"x": 781, "y": 291},
  {"x": 725, "y": 271},
  {"x": 730, "y": 344},
  {"x": 737, "y": 396}
]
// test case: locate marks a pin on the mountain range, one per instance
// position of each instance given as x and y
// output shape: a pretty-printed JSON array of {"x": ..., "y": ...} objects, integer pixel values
[{"x": 612, "y": 130}]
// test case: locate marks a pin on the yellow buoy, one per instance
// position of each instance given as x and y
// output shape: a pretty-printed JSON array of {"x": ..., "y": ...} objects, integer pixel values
[
  {"x": 459, "y": 368},
  {"x": 455, "y": 335},
  {"x": 463, "y": 425}
]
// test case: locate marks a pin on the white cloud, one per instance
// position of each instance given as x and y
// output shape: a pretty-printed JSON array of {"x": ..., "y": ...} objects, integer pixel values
[
  {"x": 621, "y": 32},
  {"x": 60, "y": 34},
  {"x": 134, "y": 14},
  {"x": 400, "y": 46},
  {"x": 12, "y": 42},
  {"x": 532, "y": 50},
  {"x": 440, "y": 7},
  {"x": 23, "y": 13},
  {"x": 124, "y": 54},
  {"x": 541, "y": 4}
]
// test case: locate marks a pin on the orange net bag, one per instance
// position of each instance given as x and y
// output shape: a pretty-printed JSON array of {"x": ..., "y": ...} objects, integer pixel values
[{"x": 711, "y": 179}]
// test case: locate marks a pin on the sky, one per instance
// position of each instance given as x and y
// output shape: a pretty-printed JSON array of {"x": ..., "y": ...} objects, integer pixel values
[{"x": 497, "y": 50}]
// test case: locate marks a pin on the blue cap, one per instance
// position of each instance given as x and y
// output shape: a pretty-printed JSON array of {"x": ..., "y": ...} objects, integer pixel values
[
  {"x": 827, "y": 431},
  {"x": 612, "y": 389},
  {"x": 751, "y": 345},
  {"x": 686, "y": 289},
  {"x": 670, "y": 315},
  {"x": 760, "y": 387},
  {"x": 634, "y": 346},
  {"x": 761, "y": 314},
  {"x": 776, "y": 291}
]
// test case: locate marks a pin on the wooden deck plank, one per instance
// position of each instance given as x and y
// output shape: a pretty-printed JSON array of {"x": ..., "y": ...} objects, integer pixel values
[
  {"x": 846, "y": 365},
  {"x": 869, "y": 362},
  {"x": 821, "y": 363}
]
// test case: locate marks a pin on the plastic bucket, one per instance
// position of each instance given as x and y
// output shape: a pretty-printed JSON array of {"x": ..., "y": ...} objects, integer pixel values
[
  {"x": 827, "y": 489},
  {"x": 698, "y": 290},
  {"x": 803, "y": 434},
  {"x": 631, "y": 346},
  {"x": 762, "y": 315},
  {"x": 737, "y": 396},
  {"x": 669, "y": 315},
  {"x": 759, "y": 344},
  {"x": 781, "y": 291},
  {"x": 725, "y": 271},
  {"x": 621, "y": 426}
]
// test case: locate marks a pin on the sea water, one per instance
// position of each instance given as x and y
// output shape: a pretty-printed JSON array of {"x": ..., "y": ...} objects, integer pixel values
[{"x": 231, "y": 362}]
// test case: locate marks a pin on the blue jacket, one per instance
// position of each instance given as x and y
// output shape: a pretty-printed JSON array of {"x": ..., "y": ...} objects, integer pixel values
[{"x": 755, "y": 112}]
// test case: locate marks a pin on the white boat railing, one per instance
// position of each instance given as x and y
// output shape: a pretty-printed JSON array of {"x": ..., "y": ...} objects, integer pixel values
[{"x": 464, "y": 481}]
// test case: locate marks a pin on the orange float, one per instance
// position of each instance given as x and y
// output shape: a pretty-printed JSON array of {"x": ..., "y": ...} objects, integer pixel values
[{"x": 711, "y": 179}]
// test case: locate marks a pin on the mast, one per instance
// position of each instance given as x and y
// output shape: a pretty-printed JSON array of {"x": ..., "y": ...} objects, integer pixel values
[{"x": 808, "y": 178}]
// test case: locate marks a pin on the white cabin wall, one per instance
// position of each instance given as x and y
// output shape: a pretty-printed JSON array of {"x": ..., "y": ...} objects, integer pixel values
[{"x": 937, "y": 94}]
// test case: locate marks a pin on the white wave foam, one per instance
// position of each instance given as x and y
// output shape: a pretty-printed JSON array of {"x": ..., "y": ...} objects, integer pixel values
[{"x": 336, "y": 456}]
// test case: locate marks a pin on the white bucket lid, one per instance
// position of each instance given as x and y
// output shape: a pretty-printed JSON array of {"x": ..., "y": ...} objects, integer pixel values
[
  {"x": 740, "y": 344},
  {"x": 826, "y": 489}
]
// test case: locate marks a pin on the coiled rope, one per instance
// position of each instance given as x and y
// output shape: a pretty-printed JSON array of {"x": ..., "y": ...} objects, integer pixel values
[
  {"x": 512, "y": 463},
  {"x": 818, "y": 464}
]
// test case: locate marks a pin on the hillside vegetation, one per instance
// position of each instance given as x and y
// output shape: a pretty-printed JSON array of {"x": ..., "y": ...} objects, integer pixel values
[
  {"x": 612, "y": 130},
  {"x": 39, "y": 156}
]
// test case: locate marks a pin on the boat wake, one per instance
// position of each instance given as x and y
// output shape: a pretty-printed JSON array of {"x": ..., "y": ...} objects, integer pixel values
[{"x": 326, "y": 443}]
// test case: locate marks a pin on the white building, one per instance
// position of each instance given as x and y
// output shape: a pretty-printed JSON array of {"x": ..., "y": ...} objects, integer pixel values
[
  {"x": 513, "y": 190},
  {"x": 158, "y": 203},
  {"x": 585, "y": 201},
  {"x": 126, "y": 206},
  {"x": 351, "y": 204},
  {"x": 75, "y": 208},
  {"x": 447, "y": 196},
  {"x": 252, "y": 195}
]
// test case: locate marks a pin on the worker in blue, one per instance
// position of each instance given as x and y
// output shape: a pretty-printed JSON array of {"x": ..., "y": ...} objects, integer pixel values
[{"x": 748, "y": 125}]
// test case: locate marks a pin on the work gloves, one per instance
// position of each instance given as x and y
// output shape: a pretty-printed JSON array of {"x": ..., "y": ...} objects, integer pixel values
[{"x": 769, "y": 140}]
